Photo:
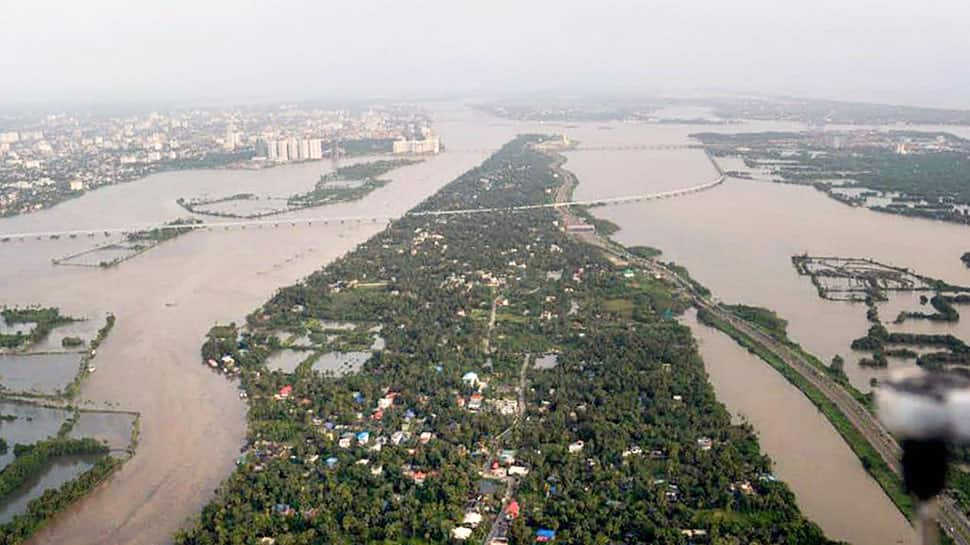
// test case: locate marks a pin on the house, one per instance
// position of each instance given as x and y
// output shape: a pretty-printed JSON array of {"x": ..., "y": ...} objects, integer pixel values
[
  {"x": 634, "y": 450},
  {"x": 518, "y": 470},
  {"x": 507, "y": 456},
  {"x": 470, "y": 378},
  {"x": 377, "y": 470},
  {"x": 363, "y": 437},
  {"x": 472, "y": 519},
  {"x": 705, "y": 443},
  {"x": 512, "y": 510},
  {"x": 331, "y": 462},
  {"x": 544, "y": 535},
  {"x": 419, "y": 477},
  {"x": 475, "y": 402},
  {"x": 398, "y": 437},
  {"x": 461, "y": 533},
  {"x": 283, "y": 509},
  {"x": 345, "y": 440},
  {"x": 285, "y": 391},
  {"x": 425, "y": 437},
  {"x": 575, "y": 447}
]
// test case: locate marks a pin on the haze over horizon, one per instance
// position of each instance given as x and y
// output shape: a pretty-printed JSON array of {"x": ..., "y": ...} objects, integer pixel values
[{"x": 105, "y": 51}]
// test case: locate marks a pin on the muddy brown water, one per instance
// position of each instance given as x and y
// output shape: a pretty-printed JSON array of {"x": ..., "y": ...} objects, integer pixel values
[
  {"x": 192, "y": 421},
  {"x": 736, "y": 239},
  {"x": 832, "y": 488}
]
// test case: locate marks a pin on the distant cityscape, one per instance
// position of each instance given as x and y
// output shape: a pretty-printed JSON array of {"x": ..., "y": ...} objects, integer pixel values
[{"x": 48, "y": 159}]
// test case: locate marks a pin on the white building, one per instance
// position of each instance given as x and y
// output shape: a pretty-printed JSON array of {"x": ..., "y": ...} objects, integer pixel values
[{"x": 432, "y": 145}]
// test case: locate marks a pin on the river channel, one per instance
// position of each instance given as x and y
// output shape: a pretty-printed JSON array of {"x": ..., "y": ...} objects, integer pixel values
[
  {"x": 737, "y": 239},
  {"x": 192, "y": 421}
]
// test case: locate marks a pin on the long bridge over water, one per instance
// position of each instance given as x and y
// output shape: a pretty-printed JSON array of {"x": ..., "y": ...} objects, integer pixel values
[{"x": 328, "y": 220}]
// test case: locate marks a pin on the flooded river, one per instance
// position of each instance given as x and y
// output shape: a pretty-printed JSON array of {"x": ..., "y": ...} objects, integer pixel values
[
  {"x": 832, "y": 488},
  {"x": 192, "y": 422},
  {"x": 737, "y": 239}
]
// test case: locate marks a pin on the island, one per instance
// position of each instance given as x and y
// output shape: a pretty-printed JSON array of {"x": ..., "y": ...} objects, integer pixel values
[{"x": 528, "y": 387}]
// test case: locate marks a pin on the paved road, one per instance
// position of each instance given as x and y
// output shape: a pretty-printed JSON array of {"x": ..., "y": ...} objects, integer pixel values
[{"x": 500, "y": 526}]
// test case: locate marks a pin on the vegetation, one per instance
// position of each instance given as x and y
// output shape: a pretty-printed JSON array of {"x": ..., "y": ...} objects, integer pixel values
[
  {"x": 44, "y": 319},
  {"x": 870, "y": 459},
  {"x": 366, "y": 146},
  {"x": 927, "y": 183},
  {"x": 72, "y": 342},
  {"x": 53, "y": 501},
  {"x": 646, "y": 252},
  {"x": 965, "y": 258},
  {"x": 31, "y": 460},
  {"x": 625, "y": 377},
  {"x": 74, "y": 387},
  {"x": 362, "y": 179},
  {"x": 944, "y": 311},
  {"x": 171, "y": 230}
]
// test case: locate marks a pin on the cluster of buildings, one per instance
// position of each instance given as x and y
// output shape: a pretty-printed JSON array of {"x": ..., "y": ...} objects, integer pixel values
[
  {"x": 900, "y": 142},
  {"x": 290, "y": 149},
  {"x": 424, "y": 146},
  {"x": 47, "y": 158}
]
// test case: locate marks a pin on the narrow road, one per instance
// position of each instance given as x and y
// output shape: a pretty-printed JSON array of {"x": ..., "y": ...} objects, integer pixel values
[{"x": 500, "y": 526}]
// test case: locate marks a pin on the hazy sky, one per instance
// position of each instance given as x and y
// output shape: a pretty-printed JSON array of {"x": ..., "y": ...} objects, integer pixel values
[{"x": 239, "y": 50}]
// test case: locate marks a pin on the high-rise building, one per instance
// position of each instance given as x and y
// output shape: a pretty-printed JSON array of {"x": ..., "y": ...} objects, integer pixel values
[
  {"x": 316, "y": 148},
  {"x": 282, "y": 151},
  {"x": 292, "y": 149},
  {"x": 304, "y": 149},
  {"x": 431, "y": 144}
]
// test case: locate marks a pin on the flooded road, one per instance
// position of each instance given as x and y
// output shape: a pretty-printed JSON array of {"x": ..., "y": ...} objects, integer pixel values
[{"x": 192, "y": 422}]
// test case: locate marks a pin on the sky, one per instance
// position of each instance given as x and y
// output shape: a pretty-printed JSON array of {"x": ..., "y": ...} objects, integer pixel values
[{"x": 106, "y": 51}]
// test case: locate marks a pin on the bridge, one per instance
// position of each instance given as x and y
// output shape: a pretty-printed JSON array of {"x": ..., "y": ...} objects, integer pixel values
[
  {"x": 628, "y": 147},
  {"x": 343, "y": 220}
]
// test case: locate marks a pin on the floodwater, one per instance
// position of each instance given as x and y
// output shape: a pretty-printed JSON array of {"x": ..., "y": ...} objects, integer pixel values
[
  {"x": 286, "y": 360},
  {"x": 33, "y": 423},
  {"x": 44, "y": 374},
  {"x": 58, "y": 472},
  {"x": 340, "y": 363},
  {"x": 738, "y": 239},
  {"x": 832, "y": 488},
  {"x": 112, "y": 428},
  {"x": 192, "y": 421}
]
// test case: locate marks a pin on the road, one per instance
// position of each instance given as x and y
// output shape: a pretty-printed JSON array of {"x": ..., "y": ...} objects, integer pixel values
[
  {"x": 951, "y": 518},
  {"x": 341, "y": 220},
  {"x": 500, "y": 526}
]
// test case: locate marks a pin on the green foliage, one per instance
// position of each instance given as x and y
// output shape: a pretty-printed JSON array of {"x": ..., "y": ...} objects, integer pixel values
[
  {"x": 31, "y": 460},
  {"x": 45, "y": 318},
  {"x": 72, "y": 342},
  {"x": 51, "y": 502},
  {"x": 430, "y": 282},
  {"x": 766, "y": 319}
]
